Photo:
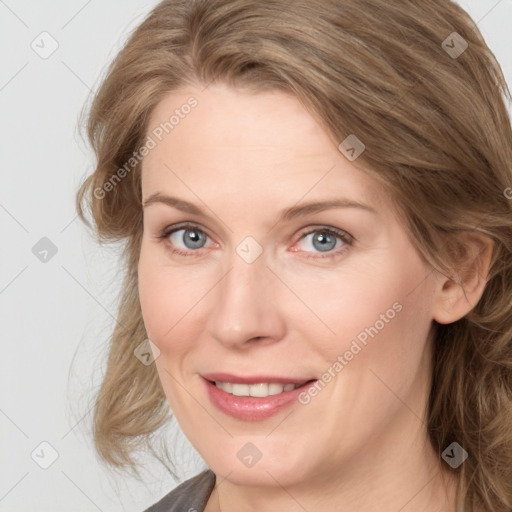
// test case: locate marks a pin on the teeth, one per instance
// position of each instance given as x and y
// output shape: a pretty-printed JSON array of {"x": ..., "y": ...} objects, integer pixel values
[{"x": 257, "y": 390}]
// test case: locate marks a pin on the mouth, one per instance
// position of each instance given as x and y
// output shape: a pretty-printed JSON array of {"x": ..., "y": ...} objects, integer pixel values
[
  {"x": 253, "y": 398},
  {"x": 258, "y": 390}
]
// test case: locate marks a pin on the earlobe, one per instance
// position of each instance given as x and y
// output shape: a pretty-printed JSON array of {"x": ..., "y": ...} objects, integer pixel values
[{"x": 458, "y": 293}]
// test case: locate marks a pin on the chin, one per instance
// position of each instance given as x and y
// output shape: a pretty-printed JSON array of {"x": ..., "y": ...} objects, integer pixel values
[{"x": 279, "y": 463}]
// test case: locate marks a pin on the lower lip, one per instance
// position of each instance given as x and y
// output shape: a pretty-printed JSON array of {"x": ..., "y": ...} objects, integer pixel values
[{"x": 250, "y": 408}]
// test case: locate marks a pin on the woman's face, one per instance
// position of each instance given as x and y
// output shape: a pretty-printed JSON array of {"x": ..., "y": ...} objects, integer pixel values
[{"x": 243, "y": 281}]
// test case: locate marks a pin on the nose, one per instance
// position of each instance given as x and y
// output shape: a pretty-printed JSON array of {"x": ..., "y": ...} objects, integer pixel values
[{"x": 245, "y": 306}]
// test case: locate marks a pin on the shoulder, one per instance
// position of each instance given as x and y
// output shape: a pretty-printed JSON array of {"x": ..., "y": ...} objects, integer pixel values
[{"x": 191, "y": 494}]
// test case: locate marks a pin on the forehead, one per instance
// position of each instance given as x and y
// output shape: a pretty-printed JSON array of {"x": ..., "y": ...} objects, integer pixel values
[
  {"x": 263, "y": 143},
  {"x": 223, "y": 114}
]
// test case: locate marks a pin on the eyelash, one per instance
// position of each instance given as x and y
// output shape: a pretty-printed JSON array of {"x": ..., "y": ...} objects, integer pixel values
[{"x": 345, "y": 237}]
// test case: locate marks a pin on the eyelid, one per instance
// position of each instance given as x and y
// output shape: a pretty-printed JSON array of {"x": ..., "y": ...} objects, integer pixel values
[
  {"x": 169, "y": 230},
  {"x": 331, "y": 229}
]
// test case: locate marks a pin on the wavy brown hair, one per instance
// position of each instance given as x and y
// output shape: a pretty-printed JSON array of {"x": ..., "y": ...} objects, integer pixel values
[{"x": 437, "y": 135}]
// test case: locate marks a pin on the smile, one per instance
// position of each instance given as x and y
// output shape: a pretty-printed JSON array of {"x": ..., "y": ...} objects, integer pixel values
[
  {"x": 254, "y": 398},
  {"x": 261, "y": 390}
]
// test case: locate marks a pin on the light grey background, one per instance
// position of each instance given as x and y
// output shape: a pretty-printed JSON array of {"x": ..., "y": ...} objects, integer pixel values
[{"x": 61, "y": 311}]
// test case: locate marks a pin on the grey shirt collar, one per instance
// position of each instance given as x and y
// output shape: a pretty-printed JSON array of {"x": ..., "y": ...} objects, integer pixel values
[{"x": 190, "y": 496}]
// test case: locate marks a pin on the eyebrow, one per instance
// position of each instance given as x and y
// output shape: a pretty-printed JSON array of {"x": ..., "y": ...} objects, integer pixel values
[{"x": 286, "y": 215}]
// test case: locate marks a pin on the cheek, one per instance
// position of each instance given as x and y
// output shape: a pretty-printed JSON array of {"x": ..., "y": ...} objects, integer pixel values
[
  {"x": 172, "y": 300},
  {"x": 159, "y": 296},
  {"x": 374, "y": 313},
  {"x": 380, "y": 318}
]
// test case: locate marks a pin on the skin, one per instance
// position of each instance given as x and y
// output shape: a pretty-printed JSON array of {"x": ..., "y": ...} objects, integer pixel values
[{"x": 362, "y": 441}]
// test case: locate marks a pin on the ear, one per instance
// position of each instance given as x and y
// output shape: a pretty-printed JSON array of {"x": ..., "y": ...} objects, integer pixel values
[{"x": 458, "y": 293}]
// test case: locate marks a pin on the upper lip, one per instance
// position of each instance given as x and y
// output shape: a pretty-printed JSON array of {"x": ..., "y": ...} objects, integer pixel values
[{"x": 253, "y": 379}]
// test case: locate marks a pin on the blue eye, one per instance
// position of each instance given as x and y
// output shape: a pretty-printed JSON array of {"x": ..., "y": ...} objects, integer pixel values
[
  {"x": 186, "y": 240},
  {"x": 325, "y": 241},
  {"x": 322, "y": 241},
  {"x": 191, "y": 238}
]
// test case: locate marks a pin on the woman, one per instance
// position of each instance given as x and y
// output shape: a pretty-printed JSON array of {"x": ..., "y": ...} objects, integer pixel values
[{"x": 318, "y": 248}]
